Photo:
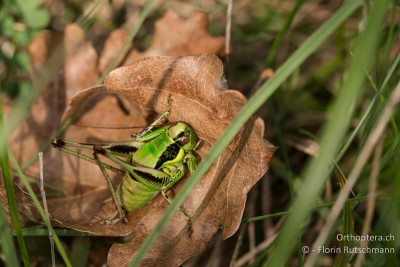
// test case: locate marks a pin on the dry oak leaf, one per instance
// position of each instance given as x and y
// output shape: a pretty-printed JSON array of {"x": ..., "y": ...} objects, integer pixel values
[
  {"x": 173, "y": 36},
  {"x": 177, "y": 36},
  {"x": 195, "y": 85},
  {"x": 27, "y": 211},
  {"x": 82, "y": 69}
]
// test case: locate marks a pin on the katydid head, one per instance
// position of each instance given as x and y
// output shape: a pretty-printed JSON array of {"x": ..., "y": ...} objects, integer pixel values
[{"x": 183, "y": 135}]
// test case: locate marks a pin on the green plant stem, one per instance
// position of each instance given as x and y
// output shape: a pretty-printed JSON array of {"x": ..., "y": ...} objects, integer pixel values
[
  {"x": 128, "y": 40},
  {"x": 41, "y": 230},
  {"x": 6, "y": 242},
  {"x": 41, "y": 211},
  {"x": 368, "y": 111},
  {"x": 12, "y": 205},
  {"x": 266, "y": 90},
  {"x": 8, "y": 183},
  {"x": 82, "y": 21},
  {"x": 279, "y": 38},
  {"x": 45, "y": 145},
  {"x": 317, "y": 171},
  {"x": 279, "y": 214},
  {"x": 27, "y": 98}
]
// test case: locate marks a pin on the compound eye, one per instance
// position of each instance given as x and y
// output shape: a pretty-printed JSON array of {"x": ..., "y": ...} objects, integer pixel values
[{"x": 184, "y": 139}]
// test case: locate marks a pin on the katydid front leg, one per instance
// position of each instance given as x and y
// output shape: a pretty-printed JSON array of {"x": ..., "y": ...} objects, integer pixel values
[
  {"x": 190, "y": 161},
  {"x": 181, "y": 209}
]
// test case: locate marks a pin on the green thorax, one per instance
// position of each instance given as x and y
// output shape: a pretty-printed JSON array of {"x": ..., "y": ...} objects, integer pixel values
[{"x": 157, "y": 151}]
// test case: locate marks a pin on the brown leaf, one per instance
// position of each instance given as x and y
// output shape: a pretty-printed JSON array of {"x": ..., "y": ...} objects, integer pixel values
[
  {"x": 305, "y": 145},
  {"x": 196, "y": 87},
  {"x": 176, "y": 36},
  {"x": 41, "y": 48},
  {"x": 194, "y": 84},
  {"x": 81, "y": 61},
  {"x": 111, "y": 48},
  {"x": 80, "y": 71},
  {"x": 27, "y": 211}
]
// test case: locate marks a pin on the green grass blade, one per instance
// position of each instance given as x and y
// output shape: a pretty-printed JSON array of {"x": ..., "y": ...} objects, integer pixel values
[
  {"x": 283, "y": 150},
  {"x": 80, "y": 251},
  {"x": 6, "y": 242},
  {"x": 82, "y": 21},
  {"x": 48, "y": 71},
  {"x": 42, "y": 213},
  {"x": 308, "y": 47},
  {"x": 368, "y": 111},
  {"x": 348, "y": 229},
  {"x": 393, "y": 205},
  {"x": 41, "y": 230},
  {"x": 46, "y": 145},
  {"x": 279, "y": 38},
  {"x": 283, "y": 213},
  {"x": 128, "y": 40},
  {"x": 8, "y": 183},
  {"x": 27, "y": 98},
  {"x": 317, "y": 170},
  {"x": 25, "y": 101}
]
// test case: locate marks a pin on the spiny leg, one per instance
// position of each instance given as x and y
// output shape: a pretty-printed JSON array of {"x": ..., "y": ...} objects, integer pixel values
[
  {"x": 176, "y": 172},
  {"x": 117, "y": 201},
  {"x": 190, "y": 161},
  {"x": 122, "y": 149},
  {"x": 158, "y": 121},
  {"x": 185, "y": 215},
  {"x": 82, "y": 156}
]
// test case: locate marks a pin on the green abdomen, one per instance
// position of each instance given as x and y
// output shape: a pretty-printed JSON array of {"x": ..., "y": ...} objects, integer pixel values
[{"x": 134, "y": 194}]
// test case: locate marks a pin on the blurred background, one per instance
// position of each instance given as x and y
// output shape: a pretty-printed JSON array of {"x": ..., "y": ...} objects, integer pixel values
[{"x": 264, "y": 34}]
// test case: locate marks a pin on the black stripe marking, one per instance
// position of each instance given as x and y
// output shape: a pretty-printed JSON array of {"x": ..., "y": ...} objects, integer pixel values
[
  {"x": 124, "y": 149},
  {"x": 148, "y": 177},
  {"x": 170, "y": 153}
]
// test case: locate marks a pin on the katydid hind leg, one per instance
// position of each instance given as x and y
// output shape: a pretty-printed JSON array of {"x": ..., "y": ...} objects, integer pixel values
[
  {"x": 116, "y": 199},
  {"x": 60, "y": 145},
  {"x": 133, "y": 169}
]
